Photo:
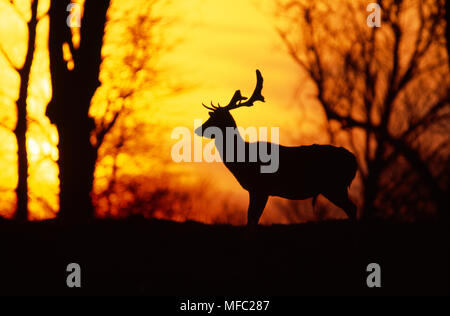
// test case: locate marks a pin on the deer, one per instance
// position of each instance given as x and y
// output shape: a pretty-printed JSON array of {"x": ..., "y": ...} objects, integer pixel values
[{"x": 303, "y": 171}]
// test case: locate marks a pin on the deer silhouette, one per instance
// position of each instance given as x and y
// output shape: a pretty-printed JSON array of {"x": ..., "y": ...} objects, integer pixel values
[{"x": 303, "y": 171}]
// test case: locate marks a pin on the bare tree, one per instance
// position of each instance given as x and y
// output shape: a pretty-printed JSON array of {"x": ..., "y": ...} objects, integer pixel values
[
  {"x": 127, "y": 71},
  {"x": 20, "y": 130},
  {"x": 384, "y": 91},
  {"x": 131, "y": 75},
  {"x": 73, "y": 88}
]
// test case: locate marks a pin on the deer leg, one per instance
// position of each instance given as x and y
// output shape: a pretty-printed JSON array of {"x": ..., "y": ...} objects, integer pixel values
[
  {"x": 256, "y": 207},
  {"x": 340, "y": 198}
]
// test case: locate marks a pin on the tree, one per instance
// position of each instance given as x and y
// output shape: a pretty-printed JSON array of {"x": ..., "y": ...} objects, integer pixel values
[
  {"x": 69, "y": 107},
  {"x": 384, "y": 90},
  {"x": 132, "y": 78},
  {"x": 20, "y": 130},
  {"x": 86, "y": 112}
]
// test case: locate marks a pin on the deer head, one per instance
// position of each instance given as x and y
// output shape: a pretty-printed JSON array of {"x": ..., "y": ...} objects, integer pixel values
[{"x": 221, "y": 118}]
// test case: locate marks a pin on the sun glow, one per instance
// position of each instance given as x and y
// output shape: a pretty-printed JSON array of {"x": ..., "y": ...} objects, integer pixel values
[
  {"x": 38, "y": 150},
  {"x": 240, "y": 39}
]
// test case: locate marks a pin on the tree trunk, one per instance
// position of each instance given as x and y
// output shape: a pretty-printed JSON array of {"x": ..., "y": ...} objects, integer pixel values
[
  {"x": 20, "y": 130},
  {"x": 69, "y": 107},
  {"x": 76, "y": 168}
]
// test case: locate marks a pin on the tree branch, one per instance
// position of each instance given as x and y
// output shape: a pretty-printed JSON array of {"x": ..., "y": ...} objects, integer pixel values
[{"x": 5, "y": 54}]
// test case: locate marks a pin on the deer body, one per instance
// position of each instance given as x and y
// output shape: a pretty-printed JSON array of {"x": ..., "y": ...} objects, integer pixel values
[{"x": 303, "y": 171}]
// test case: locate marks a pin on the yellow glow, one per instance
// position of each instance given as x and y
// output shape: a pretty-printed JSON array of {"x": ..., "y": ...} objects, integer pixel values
[
  {"x": 34, "y": 149},
  {"x": 68, "y": 56},
  {"x": 222, "y": 43}
]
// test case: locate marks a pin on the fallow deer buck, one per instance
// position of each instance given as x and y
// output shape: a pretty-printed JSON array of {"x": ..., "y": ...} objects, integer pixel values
[{"x": 303, "y": 171}]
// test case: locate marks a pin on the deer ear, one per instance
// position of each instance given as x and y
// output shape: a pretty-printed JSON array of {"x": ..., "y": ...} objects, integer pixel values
[{"x": 210, "y": 113}]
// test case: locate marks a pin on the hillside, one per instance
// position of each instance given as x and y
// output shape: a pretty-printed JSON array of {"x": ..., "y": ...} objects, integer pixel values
[{"x": 150, "y": 257}]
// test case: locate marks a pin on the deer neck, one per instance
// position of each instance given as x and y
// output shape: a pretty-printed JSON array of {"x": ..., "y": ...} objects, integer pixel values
[{"x": 231, "y": 139}]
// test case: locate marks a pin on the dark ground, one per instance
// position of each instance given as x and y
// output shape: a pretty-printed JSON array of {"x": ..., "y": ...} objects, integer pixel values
[{"x": 150, "y": 257}]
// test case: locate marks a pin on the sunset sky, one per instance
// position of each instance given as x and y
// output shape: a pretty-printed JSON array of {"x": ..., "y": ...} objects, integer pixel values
[{"x": 219, "y": 45}]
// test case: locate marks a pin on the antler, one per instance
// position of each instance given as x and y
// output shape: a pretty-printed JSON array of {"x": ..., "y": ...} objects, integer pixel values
[
  {"x": 212, "y": 107},
  {"x": 236, "y": 100}
]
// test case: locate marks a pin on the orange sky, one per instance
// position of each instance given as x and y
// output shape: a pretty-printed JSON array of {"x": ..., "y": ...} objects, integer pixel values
[
  {"x": 224, "y": 42},
  {"x": 221, "y": 44}
]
